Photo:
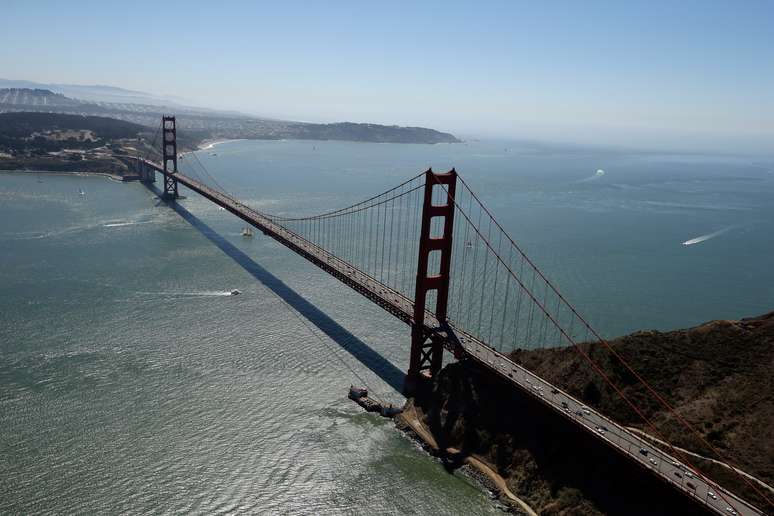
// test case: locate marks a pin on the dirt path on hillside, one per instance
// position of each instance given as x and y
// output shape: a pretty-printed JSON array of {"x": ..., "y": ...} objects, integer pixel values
[{"x": 409, "y": 416}]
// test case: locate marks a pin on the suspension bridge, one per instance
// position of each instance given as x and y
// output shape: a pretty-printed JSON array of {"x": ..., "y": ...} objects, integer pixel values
[{"x": 431, "y": 254}]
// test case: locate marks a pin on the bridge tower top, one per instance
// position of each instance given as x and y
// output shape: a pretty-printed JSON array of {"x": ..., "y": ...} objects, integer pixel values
[{"x": 169, "y": 155}]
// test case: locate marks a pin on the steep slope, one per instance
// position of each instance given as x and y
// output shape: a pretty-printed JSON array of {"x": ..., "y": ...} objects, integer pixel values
[{"x": 717, "y": 375}]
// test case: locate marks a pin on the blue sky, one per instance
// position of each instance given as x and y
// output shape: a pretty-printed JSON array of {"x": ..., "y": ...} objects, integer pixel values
[{"x": 677, "y": 74}]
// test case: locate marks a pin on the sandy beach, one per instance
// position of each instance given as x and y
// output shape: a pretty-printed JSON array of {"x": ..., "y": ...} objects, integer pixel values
[{"x": 209, "y": 144}]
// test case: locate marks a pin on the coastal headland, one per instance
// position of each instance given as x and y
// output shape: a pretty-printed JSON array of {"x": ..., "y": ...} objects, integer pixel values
[{"x": 716, "y": 374}]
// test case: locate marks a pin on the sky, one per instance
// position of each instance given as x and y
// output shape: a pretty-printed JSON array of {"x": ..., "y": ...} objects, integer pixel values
[{"x": 693, "y": 75}]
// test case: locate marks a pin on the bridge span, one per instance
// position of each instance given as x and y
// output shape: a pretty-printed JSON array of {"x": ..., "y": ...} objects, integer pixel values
[{"x": 433, "y": 330}]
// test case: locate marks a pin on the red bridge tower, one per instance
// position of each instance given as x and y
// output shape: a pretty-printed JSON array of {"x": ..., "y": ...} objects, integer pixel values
[
  {"x": 427, "y": 350},
  {"x": 169, "y": 146}
]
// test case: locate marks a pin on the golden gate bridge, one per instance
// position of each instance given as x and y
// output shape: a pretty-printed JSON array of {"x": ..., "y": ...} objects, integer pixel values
[{"x": 431, "y": 254}]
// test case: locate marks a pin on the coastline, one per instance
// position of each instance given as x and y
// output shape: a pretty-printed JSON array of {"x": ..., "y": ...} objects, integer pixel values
[
  {"x": 409, "y": 422},
  {"x": 206, "y": 145},
  {"x": 112, "y": 177},
  {"x": 210, "y": 144}
]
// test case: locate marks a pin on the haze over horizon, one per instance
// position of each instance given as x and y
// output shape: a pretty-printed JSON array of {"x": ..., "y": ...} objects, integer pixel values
[{"x": 693, "y": 76}]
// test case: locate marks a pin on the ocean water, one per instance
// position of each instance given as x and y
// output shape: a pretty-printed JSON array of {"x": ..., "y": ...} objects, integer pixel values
[{"x": 130, "y": 381}]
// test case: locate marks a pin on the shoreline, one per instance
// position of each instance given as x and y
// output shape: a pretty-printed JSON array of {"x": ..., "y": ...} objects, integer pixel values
[
  {"x": 485, "y": 474},
  {"x": 210, "y": 144},
  {"x": 112, "y": 177}
]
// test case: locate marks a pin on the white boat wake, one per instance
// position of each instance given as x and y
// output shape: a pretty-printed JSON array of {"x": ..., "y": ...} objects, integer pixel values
[
  {"x": 204, "y": 293},
  {"x": 122, "y": 224},
  {"x": 704, "y": 238},
  {"x": 599, "y": 173}
]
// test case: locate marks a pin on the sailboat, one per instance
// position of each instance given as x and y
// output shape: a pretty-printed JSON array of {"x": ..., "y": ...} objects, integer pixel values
[{"x": 247, "y": 231}]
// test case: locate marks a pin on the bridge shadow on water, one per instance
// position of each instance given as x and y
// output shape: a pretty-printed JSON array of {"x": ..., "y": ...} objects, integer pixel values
[{"x": 364, "y": 353}]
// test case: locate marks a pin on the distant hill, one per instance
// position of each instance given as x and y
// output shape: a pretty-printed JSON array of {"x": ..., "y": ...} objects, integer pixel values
[
  {"x": 95, "y": 93},
  {"x": 370, "y": 133},
  {"x": 199, "y": 123},
  {"x": 35, "y": 97}
]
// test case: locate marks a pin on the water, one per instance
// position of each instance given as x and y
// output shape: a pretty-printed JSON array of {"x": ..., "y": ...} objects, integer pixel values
[{"x": 130, "y": 381}]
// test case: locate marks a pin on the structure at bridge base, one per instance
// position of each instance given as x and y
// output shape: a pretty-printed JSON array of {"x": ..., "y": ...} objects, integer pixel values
[
  {"x": 169, "y": 150},
  {"x": 426, "y": 350},
  {"x": 146, "y": 173}
]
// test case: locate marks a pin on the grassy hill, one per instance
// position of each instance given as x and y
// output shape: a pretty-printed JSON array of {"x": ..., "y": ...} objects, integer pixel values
[
  {"x": 54, "y": 131},
  {"x": 62, "y": 142},
  {"x": 717, "y": 375}
]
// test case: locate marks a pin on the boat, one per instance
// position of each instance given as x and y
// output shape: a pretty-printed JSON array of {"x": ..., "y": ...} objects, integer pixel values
[
  {"x": 247, "y": 231},
  {"x": 357, "y": 392},
  {"x": 80, "y": 191},
  {"x": 236, "y": 292}
]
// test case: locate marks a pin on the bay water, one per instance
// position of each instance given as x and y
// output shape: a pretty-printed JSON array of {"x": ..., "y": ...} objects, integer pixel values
[{"x": 132, "y": 381}]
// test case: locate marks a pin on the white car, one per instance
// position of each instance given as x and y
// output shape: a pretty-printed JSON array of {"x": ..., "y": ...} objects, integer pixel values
[
  {"x": 712, "y": 495},
  {"x": 653, "y": 461}
]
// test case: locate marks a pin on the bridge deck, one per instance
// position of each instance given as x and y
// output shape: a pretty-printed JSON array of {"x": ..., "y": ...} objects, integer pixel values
[{"x": 618, "y": 437}]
